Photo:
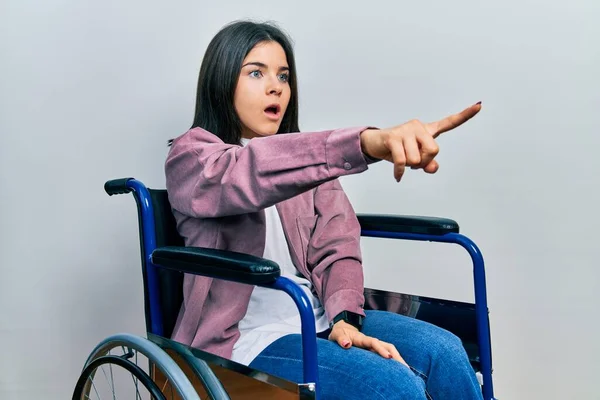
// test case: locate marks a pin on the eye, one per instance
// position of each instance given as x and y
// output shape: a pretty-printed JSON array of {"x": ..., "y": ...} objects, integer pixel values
[
  {"x": 256, "y": 73},
  {"x": 284, "y": 77}
]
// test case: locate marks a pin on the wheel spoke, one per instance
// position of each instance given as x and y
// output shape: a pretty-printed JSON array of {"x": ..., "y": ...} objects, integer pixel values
[
  {"x": 94, "y": 386},
  {"x": 110, "y": 382},
  {"x": 128, "y": 353},
  {"x": 112, "y": 379},
  {"x": 136, "y": 379}
]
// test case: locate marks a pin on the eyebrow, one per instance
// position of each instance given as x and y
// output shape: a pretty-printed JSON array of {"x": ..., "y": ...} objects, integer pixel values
[{"x": 262, "y": 65}]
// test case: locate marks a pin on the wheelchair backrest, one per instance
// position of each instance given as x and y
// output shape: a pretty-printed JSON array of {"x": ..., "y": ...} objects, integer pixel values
[{"x": 170, "y": 282}]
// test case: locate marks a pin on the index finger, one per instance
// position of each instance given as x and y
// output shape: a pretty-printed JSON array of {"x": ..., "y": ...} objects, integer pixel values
[{"x": 453, "y": 121}]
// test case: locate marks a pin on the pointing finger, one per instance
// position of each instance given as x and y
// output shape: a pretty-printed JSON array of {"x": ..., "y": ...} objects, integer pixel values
[{"x": 453, "y": 121}]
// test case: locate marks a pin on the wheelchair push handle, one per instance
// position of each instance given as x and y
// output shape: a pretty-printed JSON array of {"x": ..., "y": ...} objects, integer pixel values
[{"x": 117, "y": 186}]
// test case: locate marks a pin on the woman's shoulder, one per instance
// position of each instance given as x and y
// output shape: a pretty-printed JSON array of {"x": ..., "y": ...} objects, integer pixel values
[
  {"x": 198, "y": 141},
  {"x": 196, "y": 136}
]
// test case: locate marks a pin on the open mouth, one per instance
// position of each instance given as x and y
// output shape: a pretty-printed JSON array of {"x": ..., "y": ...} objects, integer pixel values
[{"x": 273, "y": 110}]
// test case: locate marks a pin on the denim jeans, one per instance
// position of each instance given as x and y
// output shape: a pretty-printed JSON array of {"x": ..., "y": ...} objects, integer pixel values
[{"x": 439, "y": 367}]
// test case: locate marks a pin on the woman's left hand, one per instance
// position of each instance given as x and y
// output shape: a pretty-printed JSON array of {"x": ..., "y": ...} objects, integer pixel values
[{"x": 347, "y": 336}]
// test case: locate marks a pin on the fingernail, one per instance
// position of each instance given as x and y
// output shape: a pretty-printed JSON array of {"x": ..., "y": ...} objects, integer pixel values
[
  {"x": 478, "y": 103},
  {"x": 345, "y": 343},
  {"x": 389, "y": 355}
]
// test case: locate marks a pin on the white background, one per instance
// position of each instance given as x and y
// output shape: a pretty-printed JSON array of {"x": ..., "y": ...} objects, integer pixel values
[{"x": 91, "y": 90}]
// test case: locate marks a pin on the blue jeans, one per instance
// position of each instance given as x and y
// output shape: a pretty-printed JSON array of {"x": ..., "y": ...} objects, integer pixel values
[{"x": 439, "y": 367}]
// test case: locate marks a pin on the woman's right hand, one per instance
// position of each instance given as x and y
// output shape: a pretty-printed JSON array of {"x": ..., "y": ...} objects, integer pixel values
[{"x": 412, "y": 144}]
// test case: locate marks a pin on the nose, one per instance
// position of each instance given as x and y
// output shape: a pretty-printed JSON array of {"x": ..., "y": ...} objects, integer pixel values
[{"x": 274, "y": 86}]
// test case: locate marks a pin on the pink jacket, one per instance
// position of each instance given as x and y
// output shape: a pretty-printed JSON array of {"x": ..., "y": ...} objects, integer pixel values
[{"x": 218, "y": 192}]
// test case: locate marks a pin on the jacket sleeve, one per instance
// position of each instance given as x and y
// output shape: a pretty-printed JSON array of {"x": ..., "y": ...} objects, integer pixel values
[
  {"x": 334, "y": 256},
  {"x": 207, "y": 178}
]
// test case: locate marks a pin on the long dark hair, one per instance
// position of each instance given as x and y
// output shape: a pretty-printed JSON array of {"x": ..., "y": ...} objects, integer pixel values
[{"x": 219, "y": 73}]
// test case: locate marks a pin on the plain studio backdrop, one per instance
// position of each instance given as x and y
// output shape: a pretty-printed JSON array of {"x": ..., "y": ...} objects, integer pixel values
[{"x": 92, "y": 90}]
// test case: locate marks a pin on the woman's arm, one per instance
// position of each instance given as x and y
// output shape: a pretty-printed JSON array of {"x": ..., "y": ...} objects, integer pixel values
[
  {"x": 209, "y": 178},
  {"x": 206, "y": 177}
]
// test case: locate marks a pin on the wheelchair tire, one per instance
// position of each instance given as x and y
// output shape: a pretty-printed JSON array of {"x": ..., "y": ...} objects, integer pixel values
[
  {"x": 132, "y": 368},
  {"x": 156, "y": 357}
]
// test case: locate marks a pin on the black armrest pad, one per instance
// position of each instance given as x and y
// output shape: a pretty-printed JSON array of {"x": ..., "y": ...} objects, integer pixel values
[
  {"x": 407, "y": 224},
  {"x": 219, "y": 264}
]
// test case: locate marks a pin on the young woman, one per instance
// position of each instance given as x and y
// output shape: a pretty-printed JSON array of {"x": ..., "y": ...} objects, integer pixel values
[{"x": 243, "y": 179}]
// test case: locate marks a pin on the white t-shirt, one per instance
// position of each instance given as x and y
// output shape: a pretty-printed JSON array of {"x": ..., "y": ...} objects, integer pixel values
[{"x": 272, "y": 313}]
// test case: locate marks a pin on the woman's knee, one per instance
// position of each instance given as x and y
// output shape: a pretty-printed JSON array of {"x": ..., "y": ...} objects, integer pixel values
[
  {"x": 448, "y": 346},
  {"x": 407, "y": 385}
]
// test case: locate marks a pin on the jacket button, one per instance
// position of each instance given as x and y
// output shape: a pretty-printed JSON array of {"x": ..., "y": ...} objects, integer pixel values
[{"x": 347, "y": 166}]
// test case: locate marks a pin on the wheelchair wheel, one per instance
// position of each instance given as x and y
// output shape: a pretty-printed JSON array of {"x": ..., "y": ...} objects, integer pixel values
[
  {"x": 139, "y": 377},
  {"x": 124, "y": 366}
]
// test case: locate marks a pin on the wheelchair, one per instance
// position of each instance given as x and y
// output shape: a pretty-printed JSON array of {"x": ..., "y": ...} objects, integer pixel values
[{"x": 160, "y": 368}]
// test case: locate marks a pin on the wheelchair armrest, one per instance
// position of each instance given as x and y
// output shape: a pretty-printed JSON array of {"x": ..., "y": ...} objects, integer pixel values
[
  {"x": 407, "y": 224},
  {"x": 219, "y": 264}
]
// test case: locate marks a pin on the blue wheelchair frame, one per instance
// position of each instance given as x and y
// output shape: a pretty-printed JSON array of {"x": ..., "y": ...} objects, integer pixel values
[{"x": 309, "y": 338}]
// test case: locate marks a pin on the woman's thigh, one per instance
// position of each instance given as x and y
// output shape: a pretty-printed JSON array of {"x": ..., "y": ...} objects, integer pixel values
[
  {"x": 343, "y": 373},
  {"x": 434, "y": 354},
  {"x": 417, "y": 341}
]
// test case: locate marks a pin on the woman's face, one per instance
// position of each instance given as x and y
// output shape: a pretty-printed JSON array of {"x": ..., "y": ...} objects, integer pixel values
[{"x": 263, "y": 92}]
